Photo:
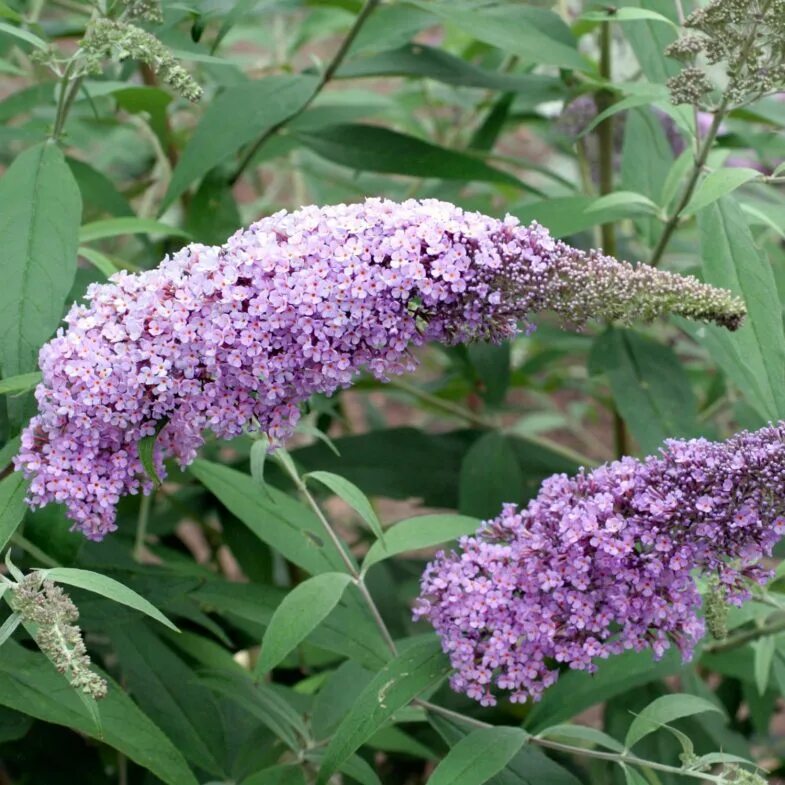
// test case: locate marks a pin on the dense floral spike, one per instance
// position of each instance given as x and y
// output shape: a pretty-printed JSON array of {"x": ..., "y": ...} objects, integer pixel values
[
  {"x": 235, "y": 337},
  {"x": 603, "y": 562}
]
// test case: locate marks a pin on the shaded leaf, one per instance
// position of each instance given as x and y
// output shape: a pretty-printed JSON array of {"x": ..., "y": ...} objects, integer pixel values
[
  {"x": 171, "y": 695},
  {"x": 29, "y": 683},
  {"x": 370, "y": 148},
  {"x": 419, "y": 666},
  {"x": 106, "y": 587},
  {"x": 490, "y": 477},
  {"x": 13, "y": 489},
  {"x": 649, "y": 385}
]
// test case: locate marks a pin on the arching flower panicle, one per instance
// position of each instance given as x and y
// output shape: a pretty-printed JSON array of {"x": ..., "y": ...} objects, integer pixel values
[
  {"x": 604, "y": 562},
  {"x": 221, "y": 338}
]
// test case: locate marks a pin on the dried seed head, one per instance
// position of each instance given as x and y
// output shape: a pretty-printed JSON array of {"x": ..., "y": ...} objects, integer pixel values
[{"x": 51, "y": 615}]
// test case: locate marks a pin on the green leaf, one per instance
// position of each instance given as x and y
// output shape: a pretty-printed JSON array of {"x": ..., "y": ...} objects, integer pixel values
[
  {"x": 337, "y": 696},
  {"x": 100, "y": 261},
  {"x": 8, "y": 627},
  {"x": 13, "y": 490},
  {"x": 533, "y": 34},
  {"x": 38, "y": 234},
  {"x": 98, "y": 191},
  {"x": 647, "y": 157},
  {"x": 262, "y": 702},
  {"x": 419, "y": 666},
  {"x": 649, "y": 385},
  {"x": 285, "y": 774},
  {"x": 298, "y": 615},
  {"x": 664, "y": 710},
  {"x": 490, "y": 476},
  {"x": 572, "y": 734},
  {"x": 168, "y": 691},
  {"x": 764, "y": 649},
  {"x": 568, "y": 215},
  {"x": 258, "y": 458},
  {"x": 107, "y": 587},
  {"x": 7, "y": 452},
  {"x": 114, "y": 227},
  {"x": 718, "y": 184},
  {"x": 577, "y": 690},
  {"x": 235, "y": 118},
  {"x": 490, "y": 368},
  {"x": 626, "y": 15},
  {"x": 628, "y": 199},
  {"x": 19, "y": 384},
  {"x": 529, "y": 766},
  {"x": 29, "y": 683},
  {"x": 478, "y": 756},
  {"x": 649, "y": 39},
  {"x": 347, "y": 631},
  {"x": 279, "y": 520},
  {"x": 423, "y": 531},
  {"x": 753, "y": 356},
  {"x": 353, "y": 496},
  {"x": 23, "y": 35},
  {"x": 417, "y": 60},
  {"x": 213, "y": 213},
  {"x": 146, "y": 451},
  {"x": 371, "y": 148}
]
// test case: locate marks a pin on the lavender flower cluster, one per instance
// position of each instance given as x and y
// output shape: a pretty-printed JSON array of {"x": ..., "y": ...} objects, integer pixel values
[
  {"x": 603, "y": 562},
  {"x": 236, "y": 337}
]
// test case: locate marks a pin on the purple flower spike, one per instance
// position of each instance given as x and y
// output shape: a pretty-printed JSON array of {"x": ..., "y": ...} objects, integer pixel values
[
  {"x": 603, "y": 562},
  {"x": 235, "y": 337}
]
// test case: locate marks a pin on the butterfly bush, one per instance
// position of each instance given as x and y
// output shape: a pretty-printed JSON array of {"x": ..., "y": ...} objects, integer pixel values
[
  {"x": 603, "y": 562},
  {"x": 235, "y": 337}
]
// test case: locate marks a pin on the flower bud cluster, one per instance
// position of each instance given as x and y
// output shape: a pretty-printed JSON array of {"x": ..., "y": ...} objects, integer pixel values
[
  {"x": 146, "y": 10},
  {"x": 604, "y": 562},
  {"x": 51, "y": 616},
  {"x": 114, "y": 39},
  {"x": 747, "y": 36},
  {"x": 238, "y": 336}
]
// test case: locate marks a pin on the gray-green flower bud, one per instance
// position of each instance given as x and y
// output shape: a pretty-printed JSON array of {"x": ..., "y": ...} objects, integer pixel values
[{"x": 50, "y": 615}]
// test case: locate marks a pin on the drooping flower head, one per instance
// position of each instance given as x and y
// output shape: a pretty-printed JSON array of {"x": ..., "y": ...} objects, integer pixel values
[
  {"x": 237, "y": 336},
  {"x": 603, "y": 562}
]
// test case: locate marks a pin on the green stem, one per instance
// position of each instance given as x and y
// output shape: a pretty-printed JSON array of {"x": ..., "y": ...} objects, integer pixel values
[
  {"x": 621, "y": 758},
  {"x": 350, "y": 566},
  {"x": 34, "y": 551},
  {"x": 482, "y": 422},
  {"x": 748, "y": 636},
  {"x": 697, "y": 169},
  {"x": 141, "y": 526},
  {"x": 605, "y": 100},
  {"x": 65, "y": 82},
  {"x": 326, "y": 76}
]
